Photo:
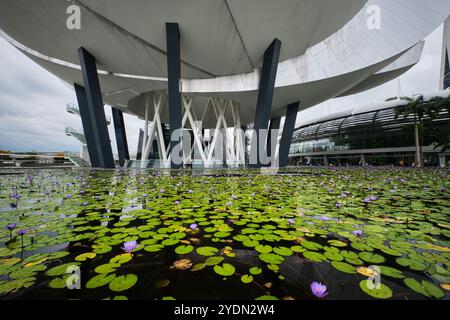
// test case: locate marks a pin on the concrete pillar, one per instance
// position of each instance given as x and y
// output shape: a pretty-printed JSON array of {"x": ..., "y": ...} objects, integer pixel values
[
  {"x": 140, "y": 143},
  {"x": 325, "y": 161},
  {"x": 174, "y": 76},
  {"x": 87, "y": 125},
  {"x": 265, "y": 97},
  {"x": 288, "y": 132},
  {"x": 121, "y": 136},
  {"x": 273, "y": 130},
  {"x": 96, "y": 108}
]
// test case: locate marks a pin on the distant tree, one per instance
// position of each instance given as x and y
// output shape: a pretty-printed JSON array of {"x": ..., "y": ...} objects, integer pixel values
[{"x": 417, "y": 109}]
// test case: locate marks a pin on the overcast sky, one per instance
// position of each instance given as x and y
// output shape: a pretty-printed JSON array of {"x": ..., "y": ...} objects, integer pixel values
[{"x": 33, "y": 114}]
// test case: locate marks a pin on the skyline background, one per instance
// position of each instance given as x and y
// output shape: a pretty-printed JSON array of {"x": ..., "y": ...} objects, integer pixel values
[{"x": 33, "y": 102}]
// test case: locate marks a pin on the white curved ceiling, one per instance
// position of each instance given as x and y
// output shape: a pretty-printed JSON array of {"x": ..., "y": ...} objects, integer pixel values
[
  {"x": 219, "y": 37},
  {"x": 349, "y": 60}
]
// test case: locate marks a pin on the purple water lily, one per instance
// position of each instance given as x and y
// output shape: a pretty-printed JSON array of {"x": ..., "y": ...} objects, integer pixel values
[
  {"x": 338, "y": 205},
  {"x": 129, "y": 246},
  {"x": 229, "y": 203},
  {"x": 22, "y": 232},
  {"x": 358, "y": 233},
  {"x": 319, "y": 290},
  {"x": 190, "y": 191},
  {"x": 291, "y": 221},
  {"x": 193, "y": 226},
  {"x": 11, "y": 227},
  {"x": 177, "y": 202}
]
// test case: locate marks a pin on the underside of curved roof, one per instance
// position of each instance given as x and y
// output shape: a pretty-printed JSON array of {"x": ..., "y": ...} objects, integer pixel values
[{"x": 327, "y": 48}]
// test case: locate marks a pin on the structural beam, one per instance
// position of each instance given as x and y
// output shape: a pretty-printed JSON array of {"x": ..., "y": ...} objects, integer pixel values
[
  {"x": 87, "y": 124},
  {"x": 121, "y": 136},
  {"x": 288, "y": 132},
  {"x": 174, "y": 97},
  {"x": 265, "y": 97},
  {"x": 96, "y": 109},
  {"x": 140, "y": 143},
  {"x": 273, "y": 129}
]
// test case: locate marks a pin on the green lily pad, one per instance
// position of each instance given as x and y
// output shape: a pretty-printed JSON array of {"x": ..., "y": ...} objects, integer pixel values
[
  {"x": 100, "y": 280},
  {"x": 184, "y": 249},
  {"x": 255, "y": 271},
  {"x": 263, "y": 248},
  {"x": 426, "y": 288},
  {"x": 225, "y": 269},
  {"x": 314, "y": 256},
  {"x": 107, "y": 268},
  {"x": 383, "y": 292},
  {"x": 343, "y": 267},
  {"x": 123, "y": 283},
  {"x": 85, "y": 256},
  {"x": 246, "y": 278},
  {"x": 271, "y": 258},
  {"x": 283, "y": 251},
  {"x": 198, "y": 267},
  {"x": 207, "y": 251},
  {"x": 121, "y": 258},
  {"x": 153, "y": 248},
  {"x": 211, "y": 261},
  {"x": 267, "y": 297},
  {"x": 311, "y": 245},
  {"x": 371, "y": 257}
]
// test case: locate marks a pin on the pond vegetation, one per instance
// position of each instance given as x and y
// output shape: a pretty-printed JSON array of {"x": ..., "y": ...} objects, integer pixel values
[{"x": 304, "y": 234}]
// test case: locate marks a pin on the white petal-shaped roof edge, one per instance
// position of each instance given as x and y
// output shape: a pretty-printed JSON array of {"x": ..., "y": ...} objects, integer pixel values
[
  {"x": 374, "y": 107},
  {"x": 404, "y": 23},
  {"x": 124, "y": 92}
]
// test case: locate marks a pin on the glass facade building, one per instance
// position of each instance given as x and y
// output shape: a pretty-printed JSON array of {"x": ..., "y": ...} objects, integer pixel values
[{"x": 376, "y": 137}]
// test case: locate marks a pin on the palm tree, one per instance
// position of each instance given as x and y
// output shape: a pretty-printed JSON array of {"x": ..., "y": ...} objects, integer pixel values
[
  {"x": 435, "y": 106},
  {"x": 417, "y": 108}
]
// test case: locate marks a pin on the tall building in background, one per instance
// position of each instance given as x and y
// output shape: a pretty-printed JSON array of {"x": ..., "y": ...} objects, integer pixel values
[{"x": 444, "y": 82}]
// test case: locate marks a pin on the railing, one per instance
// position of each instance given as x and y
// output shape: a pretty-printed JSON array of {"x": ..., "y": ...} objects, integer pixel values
[
  {"x": 73, "y": 109},
  {"x": 78, "y": 134}
]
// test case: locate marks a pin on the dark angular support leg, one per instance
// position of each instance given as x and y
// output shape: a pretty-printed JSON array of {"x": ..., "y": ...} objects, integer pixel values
[
  {"x": 288, "y": 132},
  {"x": 140, "y": 142},
  {"x": 174, "y": 75},
  {"x": 265, "y": 96},
  {"x": 274, "y": 126},
  {"x": 96, "y": 109},
  {"x": 121, "y": 136},
  {"x": 87, "y": 124}
]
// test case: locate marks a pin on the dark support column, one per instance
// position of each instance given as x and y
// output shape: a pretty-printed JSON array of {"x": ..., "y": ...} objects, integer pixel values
[
  {"x": 274, "y": 125},
  {"x": 288, "y": 132},
  {"x": 121, "y": 136},
  {"x": 87, "y": 124},
  {"x": 265, "y": 96},
  {"x": 96, "y": 109},
  {"x": 174, "y": 75},
  {"x": 140, "y": 142}
]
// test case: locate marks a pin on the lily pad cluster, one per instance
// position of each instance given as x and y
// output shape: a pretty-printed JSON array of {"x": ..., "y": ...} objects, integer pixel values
[{"x": 378, "y": 233}]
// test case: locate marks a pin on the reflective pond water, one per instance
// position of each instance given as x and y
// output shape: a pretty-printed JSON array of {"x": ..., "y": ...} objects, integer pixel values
[{"x": 362, "y": 233}]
